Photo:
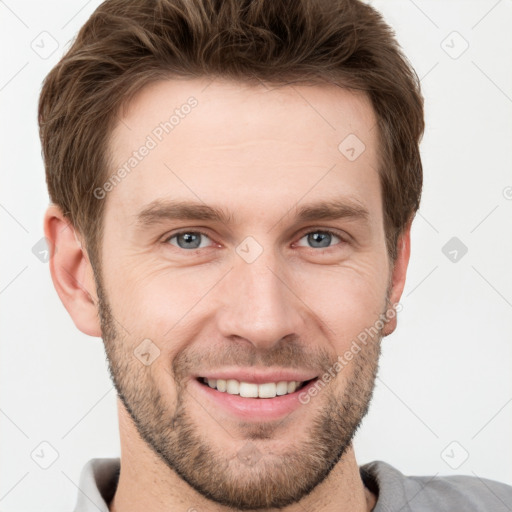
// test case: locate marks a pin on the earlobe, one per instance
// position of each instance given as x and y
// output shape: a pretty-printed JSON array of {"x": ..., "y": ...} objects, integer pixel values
[
  {"x": 71, "y": 272},
  {"x": 398, "y": 276}
]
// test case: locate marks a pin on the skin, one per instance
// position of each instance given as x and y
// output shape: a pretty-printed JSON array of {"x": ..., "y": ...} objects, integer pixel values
[{"x": 259, "y": 152}]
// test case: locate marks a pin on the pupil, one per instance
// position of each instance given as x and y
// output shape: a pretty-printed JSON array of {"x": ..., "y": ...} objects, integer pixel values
[
  {"x": 188, "y": 238},
  {"x": 323, "y": 238}
]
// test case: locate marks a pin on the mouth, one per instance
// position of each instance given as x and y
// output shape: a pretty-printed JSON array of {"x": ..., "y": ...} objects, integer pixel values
[
  {"x": 253, "y": 402},
  {"x": 267, "y": 390}
]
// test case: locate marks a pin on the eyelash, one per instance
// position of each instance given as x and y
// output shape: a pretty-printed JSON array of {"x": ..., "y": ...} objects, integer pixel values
[{"x": 327, "y": 231}]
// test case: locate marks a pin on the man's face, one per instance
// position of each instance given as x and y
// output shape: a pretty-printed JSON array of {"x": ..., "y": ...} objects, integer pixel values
[{"x": 263, "y": 289}]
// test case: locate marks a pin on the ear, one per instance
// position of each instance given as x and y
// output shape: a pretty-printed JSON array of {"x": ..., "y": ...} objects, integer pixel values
[
  {"x": 398, "y": 274},
  {"x": 71, "y": 271}
]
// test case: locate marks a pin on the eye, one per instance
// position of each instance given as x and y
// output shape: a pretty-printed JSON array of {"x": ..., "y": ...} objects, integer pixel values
[
  {"x": 189, "y": 240},
  {"x": 320, "y": 239}
]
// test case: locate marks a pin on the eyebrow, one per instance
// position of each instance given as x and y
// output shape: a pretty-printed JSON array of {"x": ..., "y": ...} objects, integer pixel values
[
  {"x": 163, "y": 210},
  {"x": 333, "y": 210}
]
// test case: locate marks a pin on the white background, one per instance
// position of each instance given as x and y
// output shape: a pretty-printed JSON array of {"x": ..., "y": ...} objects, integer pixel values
[{"x": 445, "y": 374}]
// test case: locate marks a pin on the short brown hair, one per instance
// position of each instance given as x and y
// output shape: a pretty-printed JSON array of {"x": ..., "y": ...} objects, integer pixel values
[{"x": 126, "y": 44}]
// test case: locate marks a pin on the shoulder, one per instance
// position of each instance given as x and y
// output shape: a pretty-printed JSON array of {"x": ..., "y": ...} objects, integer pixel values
[
  {"x": 98, "y": 483},
  {"x": 397, "y": 491}
]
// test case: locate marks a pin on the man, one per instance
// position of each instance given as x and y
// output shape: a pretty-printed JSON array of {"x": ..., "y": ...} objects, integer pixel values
[{"x": 233, "y": 186}]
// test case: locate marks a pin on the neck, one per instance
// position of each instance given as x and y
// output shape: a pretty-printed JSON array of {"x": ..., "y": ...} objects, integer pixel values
[{"x": 147, "y": 483}]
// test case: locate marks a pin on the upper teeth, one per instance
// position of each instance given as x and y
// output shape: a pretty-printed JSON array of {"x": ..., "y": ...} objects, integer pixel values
[{"x": 251, "y": 390}]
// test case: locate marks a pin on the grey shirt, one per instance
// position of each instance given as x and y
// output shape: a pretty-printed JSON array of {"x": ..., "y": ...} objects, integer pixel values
[{"x": 395, "y": 491}]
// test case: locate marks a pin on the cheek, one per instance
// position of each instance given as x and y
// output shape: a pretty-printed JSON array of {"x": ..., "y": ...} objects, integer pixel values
[
  {"x": 161, "y": 303},
  {"x": 346, "y": 299}
]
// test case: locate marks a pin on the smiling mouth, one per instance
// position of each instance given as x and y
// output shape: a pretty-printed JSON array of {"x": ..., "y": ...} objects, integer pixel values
[{"x": 252, "y": 390}]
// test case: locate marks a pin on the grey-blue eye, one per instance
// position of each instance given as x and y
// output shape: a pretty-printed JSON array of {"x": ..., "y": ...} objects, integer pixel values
[
  {"x": 189, "y": 240},
  {"x": 319, "y": 239}
]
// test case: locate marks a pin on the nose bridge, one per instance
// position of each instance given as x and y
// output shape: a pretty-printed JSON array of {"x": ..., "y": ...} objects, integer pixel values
[{"x": 258, "y": 305}]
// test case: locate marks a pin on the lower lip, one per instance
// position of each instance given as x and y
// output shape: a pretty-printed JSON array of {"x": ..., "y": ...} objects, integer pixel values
[{"x": 255, "y": 409}]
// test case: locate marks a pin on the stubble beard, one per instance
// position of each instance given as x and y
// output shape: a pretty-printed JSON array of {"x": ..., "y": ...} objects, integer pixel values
[{"x": 259, "y": 479}]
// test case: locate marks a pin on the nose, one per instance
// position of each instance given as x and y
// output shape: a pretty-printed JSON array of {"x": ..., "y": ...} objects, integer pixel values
[{"x": 259, "y": 303}]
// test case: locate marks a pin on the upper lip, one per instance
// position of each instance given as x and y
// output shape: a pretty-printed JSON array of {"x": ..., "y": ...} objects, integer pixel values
[{"x": 258, "y": 376}]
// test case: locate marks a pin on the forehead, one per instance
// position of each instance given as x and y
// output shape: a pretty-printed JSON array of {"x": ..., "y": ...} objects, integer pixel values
[{"x": 220, "y": 141}]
